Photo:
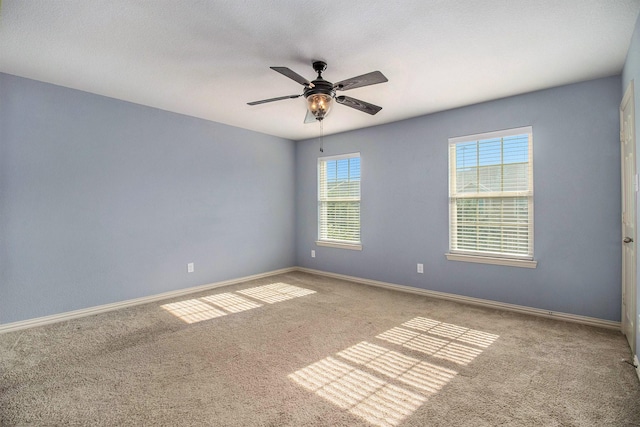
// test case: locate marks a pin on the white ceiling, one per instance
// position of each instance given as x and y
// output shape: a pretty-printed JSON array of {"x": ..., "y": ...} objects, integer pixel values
[{"x": 209, "y": 58}]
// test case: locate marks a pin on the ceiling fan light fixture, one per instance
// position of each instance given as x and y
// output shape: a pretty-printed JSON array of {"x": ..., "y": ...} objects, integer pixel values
[
  {"x": 319, "y": 105},
  {"x": 321, "y": 93}
]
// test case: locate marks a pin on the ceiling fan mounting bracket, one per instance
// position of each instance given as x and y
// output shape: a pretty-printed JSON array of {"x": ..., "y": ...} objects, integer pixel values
[{"x": 319, "y": 67}]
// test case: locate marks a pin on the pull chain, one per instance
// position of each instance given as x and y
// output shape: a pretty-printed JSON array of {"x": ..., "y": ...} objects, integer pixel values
[{"x": 321, "y": 137}]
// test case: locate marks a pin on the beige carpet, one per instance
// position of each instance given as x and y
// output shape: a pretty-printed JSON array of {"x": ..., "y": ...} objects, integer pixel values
[{"x": 304, "y": 350}]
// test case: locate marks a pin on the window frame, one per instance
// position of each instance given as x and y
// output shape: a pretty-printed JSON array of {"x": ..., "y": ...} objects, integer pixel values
[
  {"x": 498, "y": 258},
  {"x": 342, "y": 244}
]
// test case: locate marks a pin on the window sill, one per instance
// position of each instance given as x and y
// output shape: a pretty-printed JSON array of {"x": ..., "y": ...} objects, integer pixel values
[
  {"x": 351, "y": 246},
  {"x": 493, "y": 260}
]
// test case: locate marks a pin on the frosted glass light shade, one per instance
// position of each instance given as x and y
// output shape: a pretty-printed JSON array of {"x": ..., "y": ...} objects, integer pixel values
[{"x": 319, "y": 105}]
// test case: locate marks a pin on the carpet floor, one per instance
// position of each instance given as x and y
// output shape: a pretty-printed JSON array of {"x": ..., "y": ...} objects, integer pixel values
[{"x": 304, "y": 350}]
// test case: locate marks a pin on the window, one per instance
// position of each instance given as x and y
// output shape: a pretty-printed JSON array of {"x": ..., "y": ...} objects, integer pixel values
[
  {"x": 339, "y": 201},
  {"x": 491, "y": 198}
]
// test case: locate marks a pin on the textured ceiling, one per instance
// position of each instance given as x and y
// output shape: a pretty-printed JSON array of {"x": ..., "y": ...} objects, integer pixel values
[{"x": 209, "y": 58}]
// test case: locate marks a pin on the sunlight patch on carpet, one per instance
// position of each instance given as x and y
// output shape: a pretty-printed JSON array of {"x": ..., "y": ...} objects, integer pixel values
[
  {"x": 443, "y": 340},
  {"x": 359, "y": 392},
  {"x": 217, "y": 305},
  {"x": 459, "y": 333},
  {"x": 231, "y": 302},
  {"x": 409, "y": 370},
  {"x": 276, "y": 292},
  {"x": 193, "y": 310},
  {"x": 384, "y": 386}
]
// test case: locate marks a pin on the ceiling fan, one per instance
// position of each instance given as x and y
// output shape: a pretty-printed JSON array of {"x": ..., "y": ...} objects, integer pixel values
[{"x": 320, "y": 93}]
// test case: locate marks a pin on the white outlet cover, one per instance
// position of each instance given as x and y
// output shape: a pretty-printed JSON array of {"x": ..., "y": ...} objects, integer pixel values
[
  {"x": 190, "y": 268},
  {"x": 313, "y": 253},
  {"x": 420, "y": 268}
]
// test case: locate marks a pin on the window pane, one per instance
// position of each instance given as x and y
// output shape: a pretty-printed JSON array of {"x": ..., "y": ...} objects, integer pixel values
[
  {"x": 491, "y": 195},
  {"x": 498, "y": 225},
  {"x": 490, "y": 165},
  {"x": 340, "y": 221},
  {"x": 339, "y": 199}
]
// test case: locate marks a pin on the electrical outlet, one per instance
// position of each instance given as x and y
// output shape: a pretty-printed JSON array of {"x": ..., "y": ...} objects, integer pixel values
[
  {"x": 313, "y": 253},
  {"x": 420, "y": 268},
  {"x": 190, "y": 268}
]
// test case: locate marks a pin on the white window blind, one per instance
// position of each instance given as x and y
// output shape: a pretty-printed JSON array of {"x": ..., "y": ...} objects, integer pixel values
[
  {"x": 339, "y": 199},
  {"x": 491, "y": 194}
]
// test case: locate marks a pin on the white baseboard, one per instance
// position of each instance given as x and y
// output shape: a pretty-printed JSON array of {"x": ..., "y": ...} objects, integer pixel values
[
  {"x": 46, "y": 320},
  {"x": 585, "y": 320},
  {"x": 40, "y": 321}
]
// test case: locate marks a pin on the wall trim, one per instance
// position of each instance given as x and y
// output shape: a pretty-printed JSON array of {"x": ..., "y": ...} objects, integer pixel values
[
  {"x": 61, "y": 317},
  {"x": 575, "y": 318},
  {"x": 509, "y": 262},
  {"x": 637, "y": 365}
]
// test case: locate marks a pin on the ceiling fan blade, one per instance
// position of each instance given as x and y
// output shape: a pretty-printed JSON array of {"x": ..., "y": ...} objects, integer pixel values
[
  {"x": 292, "y": 75},
  {"x": 365, "y": 107},
  {"x": 309, "y": 118},
  {"x": 274, "y": 99},
  {"x": 371, "y": 78}
]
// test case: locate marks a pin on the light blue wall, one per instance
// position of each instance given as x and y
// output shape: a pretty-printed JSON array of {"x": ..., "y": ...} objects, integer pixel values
[
  {"x": 103, "y": 200},
  {"x": 631, "y": 71},
  {"x": 405, "y": 207}
]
